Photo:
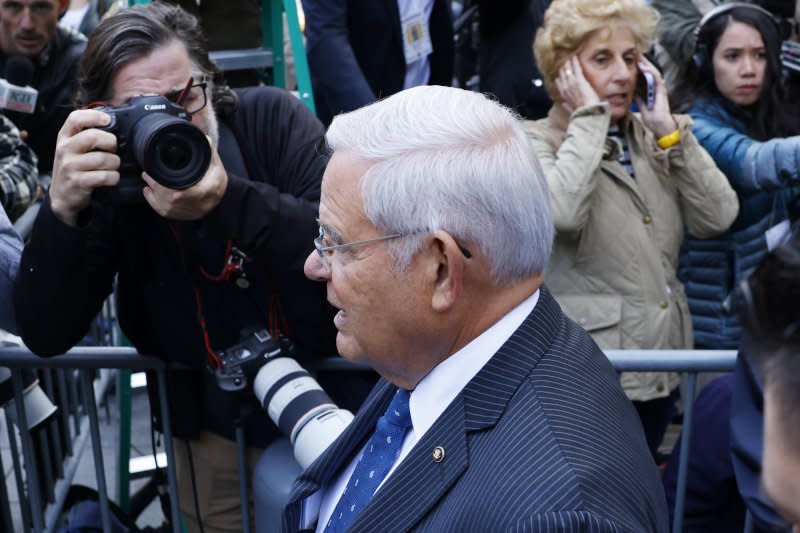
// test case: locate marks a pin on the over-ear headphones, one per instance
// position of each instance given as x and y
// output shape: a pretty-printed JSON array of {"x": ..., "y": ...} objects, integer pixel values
[{"x": 701, "y": 49}]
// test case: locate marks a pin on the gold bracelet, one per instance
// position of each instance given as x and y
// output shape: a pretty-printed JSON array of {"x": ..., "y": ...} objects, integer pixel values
[{"x": 668, "y": 141}]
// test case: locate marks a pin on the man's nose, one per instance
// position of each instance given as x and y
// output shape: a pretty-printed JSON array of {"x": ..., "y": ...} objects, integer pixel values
[
  {"x": 314, "y": 268},
  {"x": 26, "y": 21}
]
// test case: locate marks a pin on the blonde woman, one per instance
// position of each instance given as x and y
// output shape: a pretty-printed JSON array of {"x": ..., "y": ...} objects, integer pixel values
[{"x": 624, "y": 187}]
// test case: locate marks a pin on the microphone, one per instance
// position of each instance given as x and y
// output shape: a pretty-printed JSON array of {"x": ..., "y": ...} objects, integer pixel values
[{"x": 16, "y": 94}]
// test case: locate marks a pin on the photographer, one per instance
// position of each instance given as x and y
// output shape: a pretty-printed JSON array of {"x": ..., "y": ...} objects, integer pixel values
[{"x": 195, "y": 266}]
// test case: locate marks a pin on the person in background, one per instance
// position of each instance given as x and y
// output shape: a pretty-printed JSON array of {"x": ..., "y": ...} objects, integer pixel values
[
  {"x": 713, "y": 503},
  {"x": 770, "y": 307},
  {"x": 10, "y": 250},
  {"x": 29, "y": 28},
  {"x": 82, "y": 16},
  {"x": 677, "y": 37},
  {"x": 507, "y": 68},
  {"x": 743, "y": 116},
  {"x": 18, "y": 172},
  {"x": 363, "y": 50},
  {"x": 624, "y": 188}
]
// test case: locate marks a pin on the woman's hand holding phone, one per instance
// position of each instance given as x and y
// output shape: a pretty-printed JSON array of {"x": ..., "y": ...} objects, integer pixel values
[{"x": 657, "y": 117}]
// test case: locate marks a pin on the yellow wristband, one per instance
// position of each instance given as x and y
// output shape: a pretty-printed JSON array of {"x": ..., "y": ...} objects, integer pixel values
[{"x": 668, "y": 141}]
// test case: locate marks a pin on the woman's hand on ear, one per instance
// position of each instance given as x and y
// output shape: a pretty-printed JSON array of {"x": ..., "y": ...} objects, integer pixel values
[{"x": 574, "y": 88}]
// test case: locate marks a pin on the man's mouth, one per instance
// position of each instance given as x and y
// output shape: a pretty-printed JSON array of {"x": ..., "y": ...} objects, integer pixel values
[{"x": 29, "y": 40}]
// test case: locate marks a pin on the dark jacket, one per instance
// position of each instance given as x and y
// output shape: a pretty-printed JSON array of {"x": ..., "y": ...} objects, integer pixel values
[
  {"x": 713, "y": 503},
  {"x": 747, "y": 445},
  {"x": 268, "y": 211},
  {"x": 763, "y": 175},
  {"x": 541, "y": 439},
  {"x": 355, "y": 51},
  {"x": 55, "y": 78}
]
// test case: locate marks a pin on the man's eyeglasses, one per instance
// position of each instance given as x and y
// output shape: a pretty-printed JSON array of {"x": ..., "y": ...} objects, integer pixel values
[
  {"x": 326, "y": 251},
  {"x": 192, "y": 97}
]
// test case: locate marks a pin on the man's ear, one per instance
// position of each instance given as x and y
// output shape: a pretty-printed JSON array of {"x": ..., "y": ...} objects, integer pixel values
[{"x": 449, "y": 275}]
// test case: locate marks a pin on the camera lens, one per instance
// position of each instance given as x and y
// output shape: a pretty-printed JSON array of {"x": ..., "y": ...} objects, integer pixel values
[
  {"x": 176, "y": 154},
  {"x": 172, "y": 150}
]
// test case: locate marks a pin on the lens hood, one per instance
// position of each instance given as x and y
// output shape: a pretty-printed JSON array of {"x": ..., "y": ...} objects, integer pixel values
[{"x": 172, "y": 150}]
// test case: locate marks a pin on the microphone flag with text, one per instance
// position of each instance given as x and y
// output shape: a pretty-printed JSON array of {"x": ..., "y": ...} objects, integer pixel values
[{"x": 16, "y": 93}]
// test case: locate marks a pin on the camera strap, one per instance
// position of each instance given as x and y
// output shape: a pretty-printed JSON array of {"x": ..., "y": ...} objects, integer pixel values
[
  {"x": 191, "y": 262},
  {"x": 230, "y": 152},
  {"x": 233, "y": 269}
]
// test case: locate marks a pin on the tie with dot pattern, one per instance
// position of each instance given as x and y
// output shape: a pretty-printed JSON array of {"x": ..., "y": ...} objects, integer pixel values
[{"x": 378, "y": 457}]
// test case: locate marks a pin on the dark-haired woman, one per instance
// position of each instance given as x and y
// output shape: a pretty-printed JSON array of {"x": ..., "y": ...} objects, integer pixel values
[{"x": 743, "y": 118}]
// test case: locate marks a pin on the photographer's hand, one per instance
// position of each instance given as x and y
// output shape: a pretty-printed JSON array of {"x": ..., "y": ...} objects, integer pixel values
[
  {"x": 193, "y": 203},
  {"x": 84, "y": 160}
]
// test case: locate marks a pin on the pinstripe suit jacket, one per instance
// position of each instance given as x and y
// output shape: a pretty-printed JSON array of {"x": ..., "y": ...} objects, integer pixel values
[{"x": 541, "y": 439}]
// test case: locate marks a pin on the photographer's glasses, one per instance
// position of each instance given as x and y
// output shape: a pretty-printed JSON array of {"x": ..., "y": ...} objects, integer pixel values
[{"x": 192, "y": 97}]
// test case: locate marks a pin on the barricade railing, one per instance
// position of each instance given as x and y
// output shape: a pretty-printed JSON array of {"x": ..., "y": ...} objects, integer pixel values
[
  {"x": 688, "y": 362},
  {"x": 72, "y": 372}
]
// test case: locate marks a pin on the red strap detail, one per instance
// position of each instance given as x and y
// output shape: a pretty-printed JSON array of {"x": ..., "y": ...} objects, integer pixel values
[
  {"x": 276, "y": 320},
  {"x": 96, "y": 104},
  {"x": 213, "y": 359},
  {"x": 226, "y": 271}
]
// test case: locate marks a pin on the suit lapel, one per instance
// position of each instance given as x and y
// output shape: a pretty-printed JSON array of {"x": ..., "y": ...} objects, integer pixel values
[{"x": 420, "y": 481}]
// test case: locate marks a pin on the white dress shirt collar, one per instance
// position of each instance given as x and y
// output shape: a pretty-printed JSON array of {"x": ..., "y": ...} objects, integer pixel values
[
  {"x": 442, "y": 384},
  {"x": 433, "y": 394}
]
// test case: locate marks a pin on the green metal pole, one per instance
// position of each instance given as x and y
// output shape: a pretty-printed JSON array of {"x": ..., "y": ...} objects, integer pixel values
[
  {"x": 272, "y": 37},
  {"x": 299, "y": 52}
]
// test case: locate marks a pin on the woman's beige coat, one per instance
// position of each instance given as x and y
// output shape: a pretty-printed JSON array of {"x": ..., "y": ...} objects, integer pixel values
[{"x": 618, "y": 237}]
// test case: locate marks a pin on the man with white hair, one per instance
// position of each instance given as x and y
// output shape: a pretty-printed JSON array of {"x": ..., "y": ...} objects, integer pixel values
[{"x": 503, "y": 415}]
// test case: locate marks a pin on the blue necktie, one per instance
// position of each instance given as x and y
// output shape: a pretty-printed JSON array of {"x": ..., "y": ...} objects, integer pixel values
[{"x": 379, "y": 455}]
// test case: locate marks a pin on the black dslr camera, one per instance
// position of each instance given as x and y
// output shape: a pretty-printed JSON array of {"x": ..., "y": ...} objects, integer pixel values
[
  {"x": 241, "y": 362},
  {"x": 157, "y": 136}
]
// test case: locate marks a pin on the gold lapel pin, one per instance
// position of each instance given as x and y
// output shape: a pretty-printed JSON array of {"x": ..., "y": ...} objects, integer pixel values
[{"x": 438, "y": 454}]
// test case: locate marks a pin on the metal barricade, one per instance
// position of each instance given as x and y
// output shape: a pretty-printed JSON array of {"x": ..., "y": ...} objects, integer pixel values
[
  {"x": 40, "y": 475},
  {"x": 688, "y": 362}
]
